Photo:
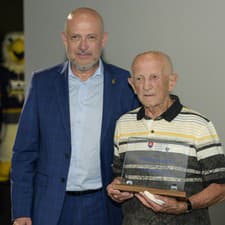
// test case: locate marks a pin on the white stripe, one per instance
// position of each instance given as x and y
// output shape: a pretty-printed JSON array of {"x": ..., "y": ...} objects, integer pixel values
[
  {"x": 160, "y": 178},
  {"x": 208, "y": 152},
  {"x": 160, "y": 167}
]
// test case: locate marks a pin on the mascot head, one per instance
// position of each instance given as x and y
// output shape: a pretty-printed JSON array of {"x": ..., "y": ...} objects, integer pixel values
[{"x": 13, "y": 52}]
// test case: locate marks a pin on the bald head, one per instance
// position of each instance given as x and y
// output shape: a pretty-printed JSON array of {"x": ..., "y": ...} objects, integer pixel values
[
  {"x": 153, "y": 80},
  {"x": 161, "y": 57},
  {"x": 84, "y": 39},
  {"x": 85, "y": 13}
]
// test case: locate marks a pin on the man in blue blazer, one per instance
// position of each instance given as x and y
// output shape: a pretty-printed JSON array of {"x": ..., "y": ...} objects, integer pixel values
[{"x": 64, "y": 146}]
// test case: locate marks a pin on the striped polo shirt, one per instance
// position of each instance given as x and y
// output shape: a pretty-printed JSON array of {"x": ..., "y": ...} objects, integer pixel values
[{"x": 178, "y": 150}]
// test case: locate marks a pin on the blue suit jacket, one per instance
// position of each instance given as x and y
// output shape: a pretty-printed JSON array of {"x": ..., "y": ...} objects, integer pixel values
[{"x": 41, "y": 154}]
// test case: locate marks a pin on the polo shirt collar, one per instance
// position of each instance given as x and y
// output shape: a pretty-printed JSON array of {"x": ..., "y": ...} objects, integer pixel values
[{"x": 168, "y": 115}]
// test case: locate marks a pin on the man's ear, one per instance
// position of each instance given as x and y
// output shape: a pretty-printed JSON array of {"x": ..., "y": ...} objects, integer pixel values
[
  {"x": 104, "y": 39},
  {"x": 131, "y": 82},
  {"x": 172, "y": 81},
  {"x": 64, "y": 39}
]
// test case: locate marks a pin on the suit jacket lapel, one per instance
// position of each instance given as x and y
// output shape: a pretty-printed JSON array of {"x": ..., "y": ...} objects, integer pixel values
[
  {"x": 109, "y": 82},
  {"x": 62, "y": 96}
]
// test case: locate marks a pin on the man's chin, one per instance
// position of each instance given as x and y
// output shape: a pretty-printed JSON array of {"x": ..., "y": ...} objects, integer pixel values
[
  {"x": 85, "y": 67},
  {"x": 150, "y": 106}
]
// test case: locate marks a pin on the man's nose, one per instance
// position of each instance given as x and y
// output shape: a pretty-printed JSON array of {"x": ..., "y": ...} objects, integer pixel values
[
  {"x": 147, "y": 84},
  {"x": 83, "y": 44}
]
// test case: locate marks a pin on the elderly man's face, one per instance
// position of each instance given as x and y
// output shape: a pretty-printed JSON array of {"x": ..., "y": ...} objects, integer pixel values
[{"x": 151, "y": 82}]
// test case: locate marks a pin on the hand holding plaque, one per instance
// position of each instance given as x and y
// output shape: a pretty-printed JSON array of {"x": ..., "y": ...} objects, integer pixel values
[{"x": 159, "y": 169}]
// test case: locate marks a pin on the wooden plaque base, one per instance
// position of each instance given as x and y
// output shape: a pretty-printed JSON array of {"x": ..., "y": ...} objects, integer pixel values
[{"x": 132, "y": 188}]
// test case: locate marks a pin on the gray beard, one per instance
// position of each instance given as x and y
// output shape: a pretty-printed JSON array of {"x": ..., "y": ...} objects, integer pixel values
[{"x": 84, "y": 68}]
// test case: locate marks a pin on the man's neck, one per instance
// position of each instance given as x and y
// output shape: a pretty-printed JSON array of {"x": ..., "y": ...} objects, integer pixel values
[{"x": 84, "y": 75}]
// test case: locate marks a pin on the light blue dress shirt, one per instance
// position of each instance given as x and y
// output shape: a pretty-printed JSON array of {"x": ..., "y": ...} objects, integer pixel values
[{"x": 86, "y": 107}]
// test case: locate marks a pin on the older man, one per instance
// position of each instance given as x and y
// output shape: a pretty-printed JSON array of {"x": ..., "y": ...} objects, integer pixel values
[{"x": 175, "y": 129}]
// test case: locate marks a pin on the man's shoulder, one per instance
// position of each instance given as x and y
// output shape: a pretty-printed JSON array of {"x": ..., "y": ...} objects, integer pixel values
[
  {"x": 188, "y": 112},
  {"x": 50, "y": 73},
  {"x": 130, "y": 115},
  {"x": 114, "y": 69},
  {"x": 53, "y": 69}
]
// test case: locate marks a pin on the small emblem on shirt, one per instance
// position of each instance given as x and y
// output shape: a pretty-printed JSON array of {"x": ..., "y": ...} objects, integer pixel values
[{"x": 150, "y": 144}]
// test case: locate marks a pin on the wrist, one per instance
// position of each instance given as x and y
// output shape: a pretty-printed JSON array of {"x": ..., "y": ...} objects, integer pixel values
[{"x": 189, "y": 206}]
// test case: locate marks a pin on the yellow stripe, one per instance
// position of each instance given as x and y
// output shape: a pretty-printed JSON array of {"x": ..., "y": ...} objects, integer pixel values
[
  {"x": 4, "y": 170},
  {"x": 132, "y": 134},
  {"x": 11, "y": 110},
  {"x": 208, "y": 137},
  {"x": 169, "y": 134}
]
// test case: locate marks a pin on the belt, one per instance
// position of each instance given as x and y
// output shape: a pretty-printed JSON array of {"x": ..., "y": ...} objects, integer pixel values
[{"x": 85, "y": 192}]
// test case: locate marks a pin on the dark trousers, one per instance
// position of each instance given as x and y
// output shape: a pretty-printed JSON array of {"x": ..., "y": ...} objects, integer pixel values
[
  {"x": 5, "y": 205},
  {"x": 83, "y": 209}
]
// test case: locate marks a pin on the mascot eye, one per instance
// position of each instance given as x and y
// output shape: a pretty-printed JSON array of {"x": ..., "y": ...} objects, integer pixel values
[{"x": 10, "y": 39}]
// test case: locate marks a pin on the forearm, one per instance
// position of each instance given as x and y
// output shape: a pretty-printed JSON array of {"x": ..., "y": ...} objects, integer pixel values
[{"x": 211, "y": 195}]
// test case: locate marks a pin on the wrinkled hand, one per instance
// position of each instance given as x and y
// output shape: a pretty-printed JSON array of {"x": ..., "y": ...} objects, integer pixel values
[
  {"x": 22, "y": 221},
  {"x": 116, "y": 195},
  {"x": 170, "y": 206}
]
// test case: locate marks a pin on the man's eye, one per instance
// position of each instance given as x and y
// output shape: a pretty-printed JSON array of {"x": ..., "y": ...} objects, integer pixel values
[
  {"x": 92, "y": 37},
  {"x": 138, "y": 78},
  {"x": 154, "y": 77},
  {"x": 75, "y": 38}
]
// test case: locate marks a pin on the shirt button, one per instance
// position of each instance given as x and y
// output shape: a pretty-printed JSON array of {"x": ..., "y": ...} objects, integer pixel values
[
  {"x": 167, "y": 149},
  {"x": 62, "y": 180}
]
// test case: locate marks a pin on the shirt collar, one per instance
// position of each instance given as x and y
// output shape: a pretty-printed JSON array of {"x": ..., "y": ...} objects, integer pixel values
[
  {"x": 168, "y": 115},
  {"x": 98, "y": 72}
]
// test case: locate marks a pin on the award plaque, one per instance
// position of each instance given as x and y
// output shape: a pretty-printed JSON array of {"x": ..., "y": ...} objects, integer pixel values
[{"x": 159, "y": 168}]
